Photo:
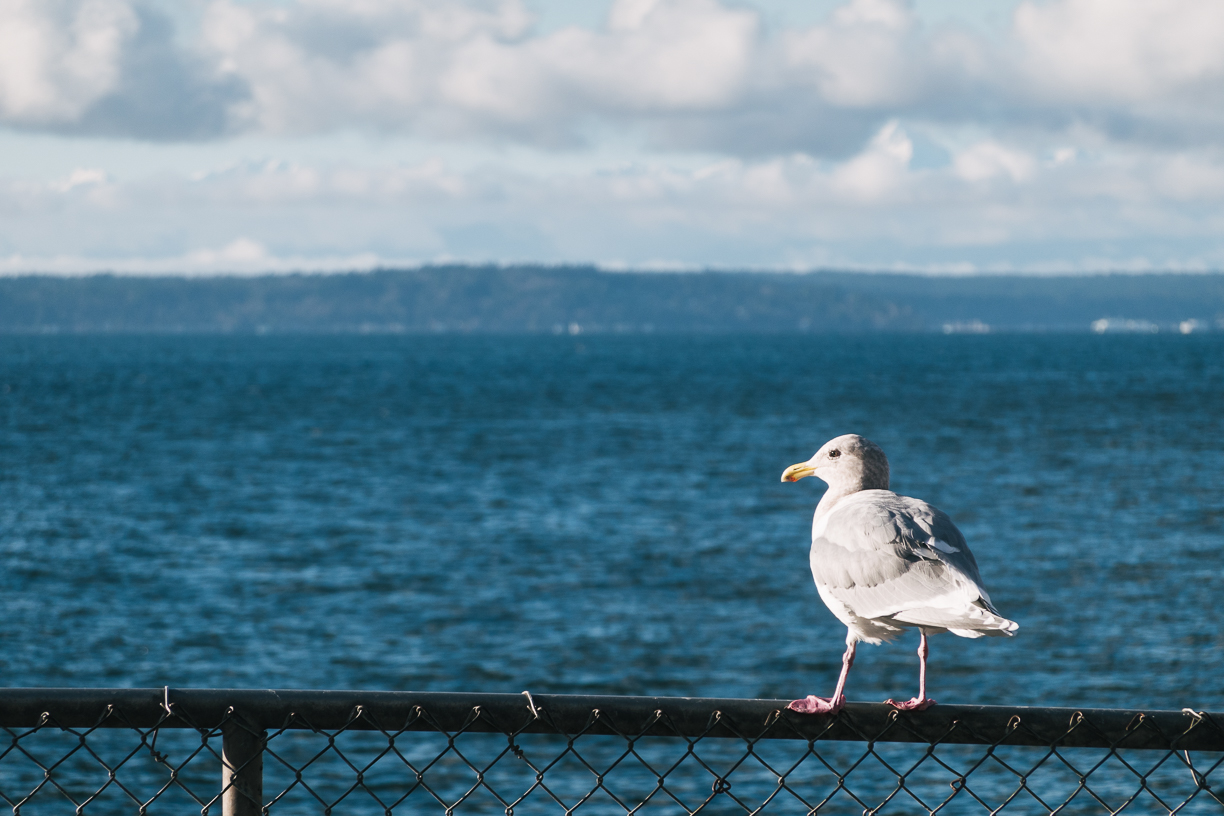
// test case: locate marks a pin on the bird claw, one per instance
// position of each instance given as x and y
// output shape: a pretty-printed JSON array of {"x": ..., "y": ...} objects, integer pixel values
[
  {"x": 913, "y": 704},
  {"x": 818, "y": 705}
]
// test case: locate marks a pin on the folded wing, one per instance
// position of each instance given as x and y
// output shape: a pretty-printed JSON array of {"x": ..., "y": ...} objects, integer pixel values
[{"x": 899, "y": 562}]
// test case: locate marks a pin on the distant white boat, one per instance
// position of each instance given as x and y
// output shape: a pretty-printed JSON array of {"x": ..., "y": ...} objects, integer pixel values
[
  {"x": 966, "y": 327},
  {"x": 1109, "y": 325}
]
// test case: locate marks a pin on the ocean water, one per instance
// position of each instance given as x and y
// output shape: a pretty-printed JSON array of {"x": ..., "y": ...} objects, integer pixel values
[{"x": 599, "y": 514}]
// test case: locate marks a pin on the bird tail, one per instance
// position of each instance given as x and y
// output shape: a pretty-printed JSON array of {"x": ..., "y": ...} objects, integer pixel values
[
  {"x": 992, "y": 626},
  {"x": 972, "y": 621}
]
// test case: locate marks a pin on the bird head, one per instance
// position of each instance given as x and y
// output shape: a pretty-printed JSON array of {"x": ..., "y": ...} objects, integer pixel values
[{"x": 849, "y": 459}]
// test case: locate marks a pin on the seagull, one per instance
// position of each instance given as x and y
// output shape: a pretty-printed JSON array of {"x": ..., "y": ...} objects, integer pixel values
[{"x": 883, "y": 563}]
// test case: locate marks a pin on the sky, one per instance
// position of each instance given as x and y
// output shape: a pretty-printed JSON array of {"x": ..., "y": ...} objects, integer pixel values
[{"x": 945, "y": 136}]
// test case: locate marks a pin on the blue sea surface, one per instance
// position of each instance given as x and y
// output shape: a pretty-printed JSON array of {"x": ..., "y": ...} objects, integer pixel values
[{"x": 600, "y": 513}]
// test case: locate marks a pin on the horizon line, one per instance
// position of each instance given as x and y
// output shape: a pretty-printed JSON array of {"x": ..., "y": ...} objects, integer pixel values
[{"x": 338, "y": 270}]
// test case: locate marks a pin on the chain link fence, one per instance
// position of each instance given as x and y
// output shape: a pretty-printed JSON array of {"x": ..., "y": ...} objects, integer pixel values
[{"x": 235, "y": 752}]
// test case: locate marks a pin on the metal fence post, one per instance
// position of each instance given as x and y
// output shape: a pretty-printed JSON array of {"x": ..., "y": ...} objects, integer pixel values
[{"x": 241, "y": 768}]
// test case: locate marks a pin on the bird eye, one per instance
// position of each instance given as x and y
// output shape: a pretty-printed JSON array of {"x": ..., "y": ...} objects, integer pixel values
[{"x": 833, "y": 454}]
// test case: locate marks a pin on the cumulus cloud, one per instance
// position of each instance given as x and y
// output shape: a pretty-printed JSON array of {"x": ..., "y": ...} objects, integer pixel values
[
  {"x": 1081, "y": 133},
  {"x": 863, "y": 57},
  {"x": 993, "y": 205},
  {"x": 1137, "y": 70},
  {"x": 879, "y": 169},
  {"x": 688, "y": 74},
  {"x": 1127, "y": 51},
  {"x": 448, "y": 69},
  {"x": 58, "y": 57},
  {"x": 109, "y": 67},
  {"x": 164, "y": 92}
]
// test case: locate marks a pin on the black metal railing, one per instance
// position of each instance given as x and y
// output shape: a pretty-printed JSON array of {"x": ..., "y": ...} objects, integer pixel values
[{"x": 241, "y": 752}]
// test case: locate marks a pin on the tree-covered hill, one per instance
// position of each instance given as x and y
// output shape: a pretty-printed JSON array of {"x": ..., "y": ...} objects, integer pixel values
[{"x": 549, "y": 299}]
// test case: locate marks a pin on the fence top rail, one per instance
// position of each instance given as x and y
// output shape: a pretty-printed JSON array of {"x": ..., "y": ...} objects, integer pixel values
[{"x": 571, "y": 715}]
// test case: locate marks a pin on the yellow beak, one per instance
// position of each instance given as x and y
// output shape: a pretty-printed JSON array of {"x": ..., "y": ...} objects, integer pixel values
[{"x": 796, "y": 472}]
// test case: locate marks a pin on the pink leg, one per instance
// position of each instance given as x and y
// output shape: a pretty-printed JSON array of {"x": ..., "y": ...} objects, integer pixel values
[
  {"x": 921, "y": 702},
  {"x": 821, "y": 705}
]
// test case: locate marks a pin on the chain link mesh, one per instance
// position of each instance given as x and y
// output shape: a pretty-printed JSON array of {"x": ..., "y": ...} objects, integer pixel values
[{"x": 617, "y": 763}]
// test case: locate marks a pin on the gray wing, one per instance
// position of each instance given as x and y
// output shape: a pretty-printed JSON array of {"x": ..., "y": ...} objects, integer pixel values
[{"x": 893, "y": 557}]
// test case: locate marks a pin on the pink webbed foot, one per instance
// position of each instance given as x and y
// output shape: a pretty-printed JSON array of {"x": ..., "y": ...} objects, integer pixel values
[
  {"x": 913, "y": 704},
  {"x": 818, "y": 705}
]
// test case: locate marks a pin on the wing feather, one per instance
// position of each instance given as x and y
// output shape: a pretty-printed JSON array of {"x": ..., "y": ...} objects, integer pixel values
[{"x": 884, "y": 556}]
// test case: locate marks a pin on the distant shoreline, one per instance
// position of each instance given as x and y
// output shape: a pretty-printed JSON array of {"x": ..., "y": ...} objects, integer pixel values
[{"x": 536, "y": 299}]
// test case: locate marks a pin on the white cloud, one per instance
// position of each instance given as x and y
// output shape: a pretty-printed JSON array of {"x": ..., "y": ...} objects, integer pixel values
[
  {"x": 241, "y": 256},
  {"x": 1122, "y": 50},
  {"x": 107, "y": 67},
  {"x": 879, "y": 169},
  {"x": 281, "y": 183},
  {"x": 992, "y": 206},
  {"x": 688, "y": 74},
  {"x": 57, "y": 57},
  {"x": 1181, "y": 178},
  {"x": 861, "y": 58},
  {"x": 670, "y": 55},
  {"x": 989, "y": 159},
  {"x": 239, "y": 253},
  {"x": 448, "y": 68},
  {"x": 699, "y": 73},
  {"x": 81, "y": 177},
  {"x": 674, "y": 132}
]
